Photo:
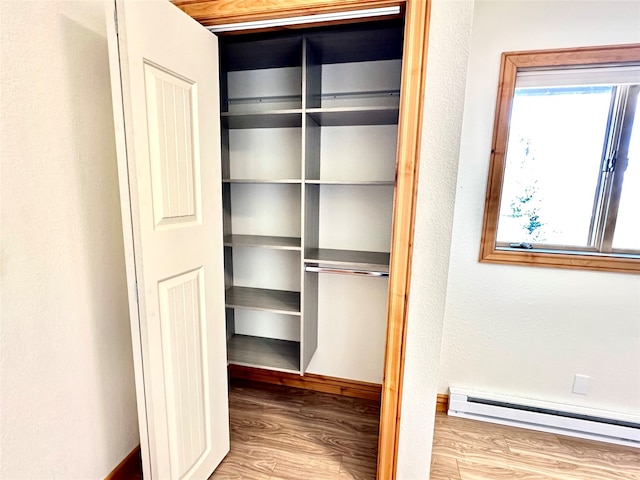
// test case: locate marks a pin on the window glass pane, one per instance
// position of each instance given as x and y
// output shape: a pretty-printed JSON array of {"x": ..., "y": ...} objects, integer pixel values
[
  {"x": 627, "y": 234},
  {"x": 552, "y": 167}
]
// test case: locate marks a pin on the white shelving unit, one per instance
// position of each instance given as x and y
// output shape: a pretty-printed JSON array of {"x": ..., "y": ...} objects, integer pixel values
[{"x": 309, "y": 134}]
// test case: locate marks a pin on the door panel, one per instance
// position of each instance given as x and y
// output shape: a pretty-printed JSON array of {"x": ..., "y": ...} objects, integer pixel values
[
  {"x": 175, "y": 167},
  {"x": 182, "y": 314},
  {"x": 166, "y": 109}
]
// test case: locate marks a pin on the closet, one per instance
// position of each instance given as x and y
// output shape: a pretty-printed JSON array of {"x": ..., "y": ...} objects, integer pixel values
[
  {"x": 309, "y": 126},
  {"x": 260, "y": 192}
]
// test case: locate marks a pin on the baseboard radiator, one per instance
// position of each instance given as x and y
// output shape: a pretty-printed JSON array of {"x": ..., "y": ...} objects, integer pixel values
[{"x": 557, "y": 418}]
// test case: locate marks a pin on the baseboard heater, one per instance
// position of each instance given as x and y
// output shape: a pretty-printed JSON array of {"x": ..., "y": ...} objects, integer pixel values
[{"x": 569, "y": 420}]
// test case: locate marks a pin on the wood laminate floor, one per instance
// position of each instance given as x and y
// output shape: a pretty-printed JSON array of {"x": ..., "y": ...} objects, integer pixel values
[
  {"x": 471, "y": 450},
  {"x": 282, "y": 433}
]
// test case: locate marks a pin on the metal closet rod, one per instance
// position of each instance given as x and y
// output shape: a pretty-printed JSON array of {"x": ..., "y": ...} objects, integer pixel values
[
  {"x": 305, "y": 19},
  {"x": 345, "y": 271}
]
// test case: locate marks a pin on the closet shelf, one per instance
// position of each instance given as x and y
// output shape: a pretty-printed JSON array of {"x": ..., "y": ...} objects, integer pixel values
[
  {"x": 278, "y": 243},
  {"x": 346, "y": 116},
  {"x": 263, "y": 352},
  {"x": 358, "y": 95},
  {"x": 257, "y": 180},
  {"x": 267, "y": 119},
  {"x": 351, "y": 259},
  {"x": 270, "y": 100},
  {"x": 356, "y": 183},
  {"x": 276, "y": 301}
]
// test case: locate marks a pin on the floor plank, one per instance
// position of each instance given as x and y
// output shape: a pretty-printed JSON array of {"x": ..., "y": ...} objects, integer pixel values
[
  {"x": 478, "y": 470},
  {"x": 298, "y": 466},
  {"x": 444, "y": 467}
]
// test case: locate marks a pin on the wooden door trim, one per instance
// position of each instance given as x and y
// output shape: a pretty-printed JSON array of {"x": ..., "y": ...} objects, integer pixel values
[
  {"x": 221, "y": 12},
  {"x": 216, "y": 12}
]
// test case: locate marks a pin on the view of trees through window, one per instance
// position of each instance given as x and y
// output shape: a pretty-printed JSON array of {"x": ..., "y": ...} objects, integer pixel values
[
  {"x": 554, "y": 190},
  {"x": 627, "y": 233}
]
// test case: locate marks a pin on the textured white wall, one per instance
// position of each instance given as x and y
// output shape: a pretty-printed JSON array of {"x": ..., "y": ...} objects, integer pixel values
[
  {"x": 449, "y": 37},
  {"x": 526, "y": 331},
  {"x": 67, "y": 388},
  {"x": 352, "y": 324}
]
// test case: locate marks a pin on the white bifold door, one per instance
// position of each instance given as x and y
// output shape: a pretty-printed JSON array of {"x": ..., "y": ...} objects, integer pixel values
[{"x": 164, "y": 70}]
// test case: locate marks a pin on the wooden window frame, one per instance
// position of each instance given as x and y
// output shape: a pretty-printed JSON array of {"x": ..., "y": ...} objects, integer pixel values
[
  {"x": 509, "y": 67},
  {"x": 416, "y": 16}
]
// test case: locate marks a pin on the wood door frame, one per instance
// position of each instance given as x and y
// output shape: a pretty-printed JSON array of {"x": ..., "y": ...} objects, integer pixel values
[{"x": 416, "y": 14}]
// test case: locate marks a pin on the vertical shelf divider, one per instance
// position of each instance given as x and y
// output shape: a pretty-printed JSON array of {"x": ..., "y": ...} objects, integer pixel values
[{"x": 310, "y": 154}]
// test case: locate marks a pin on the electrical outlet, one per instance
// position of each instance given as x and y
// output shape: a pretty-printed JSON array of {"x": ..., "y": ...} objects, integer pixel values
[{"x": 581, "y": 384}]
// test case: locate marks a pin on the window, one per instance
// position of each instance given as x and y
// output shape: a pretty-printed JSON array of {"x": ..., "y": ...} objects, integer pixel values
[{"x": 564, "y": 178}]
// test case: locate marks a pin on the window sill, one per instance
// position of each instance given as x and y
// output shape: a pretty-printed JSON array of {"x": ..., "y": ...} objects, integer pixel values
[{"x": 562, "y": 259}]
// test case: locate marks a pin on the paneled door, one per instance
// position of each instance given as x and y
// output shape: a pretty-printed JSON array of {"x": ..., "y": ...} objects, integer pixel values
[{"x": 164, "y": 71}]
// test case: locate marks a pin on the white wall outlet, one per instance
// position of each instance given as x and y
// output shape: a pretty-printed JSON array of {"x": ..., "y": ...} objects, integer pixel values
[{"x": 581, "y": 384}]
